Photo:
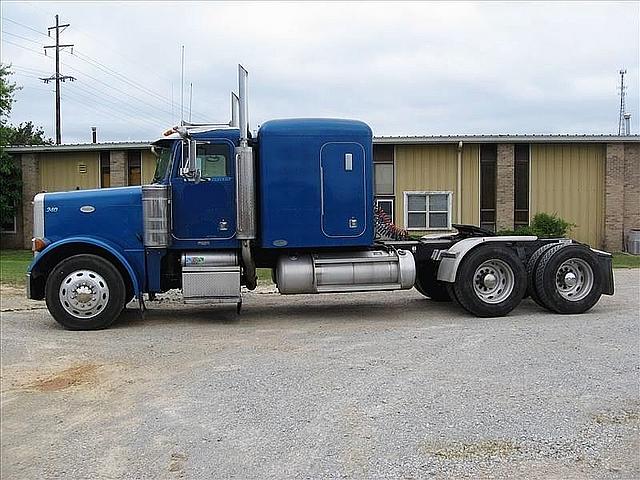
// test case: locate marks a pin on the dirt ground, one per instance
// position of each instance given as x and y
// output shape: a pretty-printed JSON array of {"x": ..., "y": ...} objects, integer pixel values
[{"x": 384, "y": 385}]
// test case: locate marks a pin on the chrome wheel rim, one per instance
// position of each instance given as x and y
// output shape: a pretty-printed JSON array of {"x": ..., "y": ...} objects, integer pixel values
[
  {"x": 493, "y": 281},
  {"x": 574, "y": 279},
  {"x": 84, "y": 294}
]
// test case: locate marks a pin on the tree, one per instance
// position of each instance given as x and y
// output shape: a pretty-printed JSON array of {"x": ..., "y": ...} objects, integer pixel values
[{"x": 24, "y": 134}]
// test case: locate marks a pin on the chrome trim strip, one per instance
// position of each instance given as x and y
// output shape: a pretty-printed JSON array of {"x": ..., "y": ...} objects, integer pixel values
[{"x": 38, "y": 215}]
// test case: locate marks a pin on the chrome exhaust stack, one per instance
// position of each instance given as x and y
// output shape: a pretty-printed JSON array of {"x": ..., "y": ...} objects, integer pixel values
[
  {"x": 245, "y": 170},
  {"x": 244, "y": 105},
  {"x": 235, "y": 106},
  {"x": 245, "y": 185}
]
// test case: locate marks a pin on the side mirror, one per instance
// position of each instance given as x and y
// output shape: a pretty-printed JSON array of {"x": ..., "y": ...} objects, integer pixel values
[{"x": 188, "y": 166}]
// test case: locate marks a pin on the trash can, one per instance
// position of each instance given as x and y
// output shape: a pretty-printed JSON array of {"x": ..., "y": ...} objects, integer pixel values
[{"x": 633, "y": 241}]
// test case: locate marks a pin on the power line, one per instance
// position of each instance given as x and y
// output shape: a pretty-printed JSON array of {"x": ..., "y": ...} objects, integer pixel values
[
  {"x": 25, "y": 26},
  {"x": 115, "y": 88},
  {"x": 23, "y": 47},
  {"x": 124, "y": 79},
  {"x": 21, "y": 37},
  {"x": 128, "y": 60},
  {"x": 109, "y": 86},
  {"x": 102, "y": 108},
  {"x": 28, "y": 69},
  {"x": 114, "y": 103}
]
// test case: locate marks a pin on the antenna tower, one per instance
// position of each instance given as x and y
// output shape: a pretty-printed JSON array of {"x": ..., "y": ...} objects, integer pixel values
[{"x": 621, "y": 114}]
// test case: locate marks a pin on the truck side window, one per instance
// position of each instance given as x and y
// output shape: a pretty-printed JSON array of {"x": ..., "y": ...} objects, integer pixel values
[{"x": 212, "y": 160}]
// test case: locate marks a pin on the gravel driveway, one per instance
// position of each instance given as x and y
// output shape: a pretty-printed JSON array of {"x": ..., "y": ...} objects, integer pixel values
[{"x": 385, "y": 385}]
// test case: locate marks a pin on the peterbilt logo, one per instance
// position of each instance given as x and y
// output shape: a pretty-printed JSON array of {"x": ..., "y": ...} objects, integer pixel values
[{"x": 52, "y": 210}]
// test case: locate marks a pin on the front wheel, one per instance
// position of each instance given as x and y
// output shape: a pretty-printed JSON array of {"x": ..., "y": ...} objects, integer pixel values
[
  {"x": 490, "y": 282},
  {"x": 85, "y": 292}
]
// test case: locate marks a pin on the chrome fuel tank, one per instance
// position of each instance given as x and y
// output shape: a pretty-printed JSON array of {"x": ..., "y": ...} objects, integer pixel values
[{"x": 368, "y": 270}]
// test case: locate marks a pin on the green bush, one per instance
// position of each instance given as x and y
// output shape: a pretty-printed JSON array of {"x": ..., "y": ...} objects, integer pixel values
[{"x": 543, "y": 225}]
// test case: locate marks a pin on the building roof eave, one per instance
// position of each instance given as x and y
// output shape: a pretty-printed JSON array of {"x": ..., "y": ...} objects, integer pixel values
[{"x": 454, "y": 139}]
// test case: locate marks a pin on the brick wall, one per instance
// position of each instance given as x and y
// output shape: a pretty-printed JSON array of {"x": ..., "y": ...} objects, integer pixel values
[
  {"x": 631, "y": 214},
  {"x": 118, "y": 164},
  {"x": 614, "y": 197},
  {"x": 505, "y": 187},
  {"x": 30, "y": 187}
]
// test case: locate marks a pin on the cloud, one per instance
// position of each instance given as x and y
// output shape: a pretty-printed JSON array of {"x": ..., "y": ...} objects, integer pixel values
[{"x": 405, "y": 68}]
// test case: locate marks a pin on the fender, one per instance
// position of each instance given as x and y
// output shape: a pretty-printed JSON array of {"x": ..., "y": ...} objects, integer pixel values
[
  {"x": 103, "y": 244},
  {"x": 452, "y": 258}
]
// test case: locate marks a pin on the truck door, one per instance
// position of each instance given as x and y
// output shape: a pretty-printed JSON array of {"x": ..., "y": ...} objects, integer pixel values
[
  {"x": 344, "y": 200},
  {"x": 205, "y": 209}
]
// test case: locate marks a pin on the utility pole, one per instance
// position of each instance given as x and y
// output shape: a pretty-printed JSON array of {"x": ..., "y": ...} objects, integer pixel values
[
  {"x": 57, "y": 77},
  {"x": 621, "y": 120}
]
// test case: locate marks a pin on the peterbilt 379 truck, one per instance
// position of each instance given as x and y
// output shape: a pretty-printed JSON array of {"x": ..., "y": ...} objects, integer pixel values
[{"x": 296, "y": 198}]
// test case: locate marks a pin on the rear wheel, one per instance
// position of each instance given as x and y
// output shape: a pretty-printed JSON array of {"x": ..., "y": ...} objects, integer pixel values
[
  {"x": 569, "y": 279},
  {"x": 490, "y": 282},
  {"x": 85, "y": 292},
  {"x": 532, "y": 264},
  {"x": 428, "y": 285}
]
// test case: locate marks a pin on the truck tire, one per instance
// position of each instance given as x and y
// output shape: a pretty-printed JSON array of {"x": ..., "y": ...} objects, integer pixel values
[
  {"x": 490, "y": 282},
  {"x": 568, "y": 279},
  {"x": 85, "y": 292},
  {"x": 431, "y": 288},
  {"x": 533, "y": 262},
  {"x": 452, "y": 293}
]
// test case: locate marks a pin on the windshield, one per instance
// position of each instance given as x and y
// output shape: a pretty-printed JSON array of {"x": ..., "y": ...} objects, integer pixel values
[{"x": 163, "y": 162}]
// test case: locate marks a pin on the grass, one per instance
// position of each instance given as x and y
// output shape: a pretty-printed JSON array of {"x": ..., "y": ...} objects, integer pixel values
[
  {"x": 264, "y": 276},
  {"x": 626, "y": 260},
  {"x": 14, "y": 263},
  {"x": 13, "y": 266}
]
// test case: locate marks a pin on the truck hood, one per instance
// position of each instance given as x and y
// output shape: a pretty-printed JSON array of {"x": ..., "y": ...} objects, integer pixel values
[{"x": 113, "y": 214}]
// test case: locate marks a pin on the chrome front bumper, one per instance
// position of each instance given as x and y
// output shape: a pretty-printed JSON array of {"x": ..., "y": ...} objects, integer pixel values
[{"x": 28, "y": 286}]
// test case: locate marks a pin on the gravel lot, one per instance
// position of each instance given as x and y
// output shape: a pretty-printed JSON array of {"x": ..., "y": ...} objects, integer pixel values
[{"x": 357, "y": 386}]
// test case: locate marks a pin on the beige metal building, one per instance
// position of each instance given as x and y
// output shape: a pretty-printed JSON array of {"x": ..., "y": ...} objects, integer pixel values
[
  {"x": 500, "y": 182},
  {"x": 426, "y": 184}
]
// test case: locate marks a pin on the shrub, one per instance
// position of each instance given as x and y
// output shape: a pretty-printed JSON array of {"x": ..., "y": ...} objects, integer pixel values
[{"x": 543, "y": 225}]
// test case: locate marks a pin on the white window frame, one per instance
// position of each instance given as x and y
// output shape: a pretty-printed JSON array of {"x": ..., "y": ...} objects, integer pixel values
[
  {"x": 449, "y": 195},
  {"x": 388, "y": 199}
]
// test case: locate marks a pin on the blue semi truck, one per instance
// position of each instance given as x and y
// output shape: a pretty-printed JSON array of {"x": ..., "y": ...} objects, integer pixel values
[{"x": 296, "y": 198}]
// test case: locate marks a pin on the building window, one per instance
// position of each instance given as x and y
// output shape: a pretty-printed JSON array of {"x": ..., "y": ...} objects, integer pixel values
[
  {"x": 134, "y": 170},
  {"x": 427, "y": 210},
  {"x": 105, "y": 169},
  {"x": 10, "y": 226},
  {"x": 488, "y": 167},
  {"x": 521, "y": 186},
  {"x": 383, "y": 174},
  {"x": 386, "y": 205},
  {"x": 383, "y": 169}
]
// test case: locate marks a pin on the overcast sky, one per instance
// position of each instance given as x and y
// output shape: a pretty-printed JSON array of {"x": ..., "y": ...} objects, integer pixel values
[{"x": 404, "y": 68}]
